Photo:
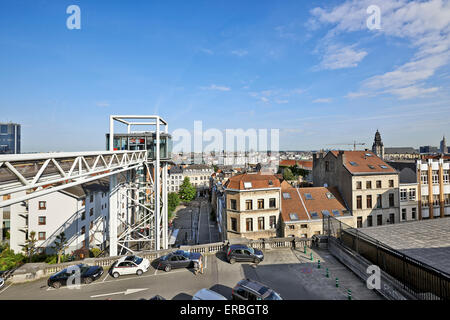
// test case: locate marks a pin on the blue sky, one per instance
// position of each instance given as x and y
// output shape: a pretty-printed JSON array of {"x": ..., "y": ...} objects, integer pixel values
[{"x": 310, "y": 68}]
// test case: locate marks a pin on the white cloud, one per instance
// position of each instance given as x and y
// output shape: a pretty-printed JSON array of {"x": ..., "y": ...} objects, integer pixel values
[
  {"x": 215, "y": 87},
  {"x": 239, "y": 53},
  {"x": 425, "y": 24},
  {"x": 323, "y": 100},
  {"x": 338, "y": 57}
]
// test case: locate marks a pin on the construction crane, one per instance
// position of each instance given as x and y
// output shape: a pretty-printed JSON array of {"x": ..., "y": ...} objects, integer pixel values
[{"x": 354, "y": 144}]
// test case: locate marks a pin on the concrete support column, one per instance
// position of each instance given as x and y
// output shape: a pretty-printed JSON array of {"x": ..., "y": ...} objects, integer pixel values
[
  {"x": 157, "y": 189},
  {"x": 113, "y": 212},
  {"x": 165, "y": 222}
]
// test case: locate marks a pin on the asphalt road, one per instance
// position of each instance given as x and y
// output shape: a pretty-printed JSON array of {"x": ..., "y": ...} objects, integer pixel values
[{"x": 279, "y": 270}]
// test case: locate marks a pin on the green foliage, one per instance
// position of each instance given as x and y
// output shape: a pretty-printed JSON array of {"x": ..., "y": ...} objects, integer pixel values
[
  {"x": 216, "y": 168},
  {"x": 9, "y": 259},
  {"x": 30, "y": 245},
  {"x": 287, "y": 174},
  {"x": 173, "y": 202},
  {"x": 60, "y": 245},
  {"x": 187, "y": 190},
  {"x": 297, "y": 171},
  {"x": 95, "y": 252}
]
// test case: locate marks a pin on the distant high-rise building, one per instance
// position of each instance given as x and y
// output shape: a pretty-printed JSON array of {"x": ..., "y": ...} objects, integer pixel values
[
  {"x": 377, "y": 146},
  {"x": 428, "y": 149},
  {"x": 9, "y": 138},
  {"x": 443, "y": 145}
]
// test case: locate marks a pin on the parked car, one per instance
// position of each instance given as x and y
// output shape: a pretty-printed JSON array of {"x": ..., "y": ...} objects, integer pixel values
[
  {"x": 157, "y": 297},
  {"x": 206, "y": 294},
  {"x": 244, "y": 253},
  {"x": 179, "y": 259},
  {"x": 87, "y": 275},
  {"x": 129, "y": 265},
  {"x": 253, "y": 290}
]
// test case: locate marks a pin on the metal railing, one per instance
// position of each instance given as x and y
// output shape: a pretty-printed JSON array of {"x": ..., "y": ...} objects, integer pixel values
[{"x": 416, "y": 277}]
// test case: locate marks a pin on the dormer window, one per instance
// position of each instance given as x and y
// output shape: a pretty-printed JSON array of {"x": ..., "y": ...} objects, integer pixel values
[{"x": 247, "y": 185}]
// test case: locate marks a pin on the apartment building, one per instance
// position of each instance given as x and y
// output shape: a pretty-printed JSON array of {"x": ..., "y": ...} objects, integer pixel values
[
  {"x": 175, "y": 179},
  {"x": 252, "y": 205},
  {"x": 303, "y": 209},
  {"x": 408, "y": 189},
  {"x": 10, "y": 138},
  {"x": 433, "y": 188},
  {"x": 81, "y": 212},
  {"x": 198, "y": 174},
  {"x": 368, "y": 185}
]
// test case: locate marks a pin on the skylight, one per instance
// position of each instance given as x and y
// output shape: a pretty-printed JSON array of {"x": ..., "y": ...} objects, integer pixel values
[
  {"x": 383, "y": 166},
  {"x": 314, "y": 215},
  {"x": 330, "y": 195},
  {"x": 286, "y": 195},
  {"x": 247, "y": 185},
  {"x": 353, "y": 163},
  {"x": 308, "y": 196},
  {"x": 371, "y": 166},
  {"x": 368, "y": 154},
  {"x": 335, "y": 212},
  {"x": 325, "y": 212},
  {"x": 293, "y": 216}
]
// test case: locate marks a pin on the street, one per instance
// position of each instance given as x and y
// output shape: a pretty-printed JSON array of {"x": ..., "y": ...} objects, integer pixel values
[{"x": 286, "y": 271}]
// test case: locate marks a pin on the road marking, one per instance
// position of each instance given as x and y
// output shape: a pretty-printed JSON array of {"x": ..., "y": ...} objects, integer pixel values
[
  {"x": 107, "y": 274},
  {"x": 127, "y": 292},
  {"x": 6, "y": 288}
]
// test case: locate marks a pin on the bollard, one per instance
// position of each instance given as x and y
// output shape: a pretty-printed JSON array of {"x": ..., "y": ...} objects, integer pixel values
[
  {"x": 327, "y": 274},
  {"x": 349, "y": 294},
  {"x": 337, "y": 282},
  {"x": 318, "y": 264},
  {"x": 312, "y": 257}
]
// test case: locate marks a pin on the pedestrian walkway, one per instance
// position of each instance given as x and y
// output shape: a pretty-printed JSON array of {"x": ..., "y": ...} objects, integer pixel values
[{"x": 316, "y": 279}]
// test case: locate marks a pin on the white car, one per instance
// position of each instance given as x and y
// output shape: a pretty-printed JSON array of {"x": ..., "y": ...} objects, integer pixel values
[
  {"x": 206, "y": 294},
  {"x": 129, "y": 265}
]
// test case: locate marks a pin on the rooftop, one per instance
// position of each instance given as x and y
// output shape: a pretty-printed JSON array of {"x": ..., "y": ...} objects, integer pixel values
[
  {"x": 359, "y": 162},
  {"x": 248, "y": 181},
  {"x": 425, "y": 240}
]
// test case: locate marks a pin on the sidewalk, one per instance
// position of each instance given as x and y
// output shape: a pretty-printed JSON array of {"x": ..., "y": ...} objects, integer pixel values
[{"x": 316, "y": 280}]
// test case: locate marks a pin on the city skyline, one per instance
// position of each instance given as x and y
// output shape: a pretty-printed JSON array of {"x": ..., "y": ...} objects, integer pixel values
[{"x": 311, "y": 70}]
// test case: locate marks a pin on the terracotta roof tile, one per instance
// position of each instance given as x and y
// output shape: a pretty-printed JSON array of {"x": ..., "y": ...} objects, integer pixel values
[
  {"x": 258, "y": 181},
  {"x": 364, "y": 162}
]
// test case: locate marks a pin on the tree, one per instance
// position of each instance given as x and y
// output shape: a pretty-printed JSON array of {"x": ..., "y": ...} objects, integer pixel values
[
  {"x": 30, "y": 245},
  {"x": 216, "y": 168},
  {"x": 60, "y": 245},
  {"x": 297, "y": 171},
  {"x": 187, "y": 190},
  {"x": 173, "y": 201},
  {"x": 287, "y": 174}
]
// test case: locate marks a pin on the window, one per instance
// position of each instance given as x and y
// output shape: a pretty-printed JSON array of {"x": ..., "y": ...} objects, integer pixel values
[
  {"x": 358, "y": 185},
  {"x": 446, "y": 177},
  {"x": 291, "y": 227},
  {"x": 369, "y": 201},
  {"x": 379, "y": 201},
  {"x": 304, "y": 226},
  {"x": 368, "y": 184},
  {"x": 359, "y": 222},
  {"x": 447, "y": 199},
  {"x": 424, "y": 201},
  {"x": 41, "y": 236},
  {"x": 335, "y": 212},
  {"x": 247, "y": 185},
  {"x": 391, "y": 218},
  {"x": 353, "y": 163},
  {"x": 391, "y": 183},
  {"x": 327, "y": 166},
  {"x": 273, "y": 222},
  {"x": 286, "y": 195},
  {"x": 330, "y": 195},
  {"x": 424, "y": 177},
  {"x": 369, "y": 221},
  {"x": 293, "y": 216},
  {"x": 42, "y": 205},
  {"x": 83, "y": 230},
  {"x": 260, "y": 203},
  {"x": 358, "y": 202},
  {"x": 412, "y": 194},
  {"x": 249, "y": 224},
  {"x": 314, "y": 215},
  {"x": 91, "y": 211},
  {"x": 248, "y": 205},
  {"x": 42, "y": 221},
  {"x": 308, "y": 196},
  {"x": 378, "y": 184},
  {"x": 391, "y": 199},
  {"x": 404, "y": 214},
  {"x": 413, "y": 213},
  {"x": 233, "y": 204},
  {"x": 83, "y": 216},
  {"x": 325, "y": 213},
  {"x": 91, "y": 198},
  {"x": 403, "y": 193},
  {"x": 382, "y": 166},
  {"x": 234, "y": 224},
  {"x": 435, "y": 176},
  {"x": 272, "y": 203},
  {"x": 261, "y": 223},
  {"x": 379, "y": 220},
  {"x": 435, "y": 200}
]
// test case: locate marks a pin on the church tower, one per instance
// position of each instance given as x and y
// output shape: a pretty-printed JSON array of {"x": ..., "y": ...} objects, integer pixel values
[
  {"x": 443, "y": 145},
  {"x": 377, "y": 146}
]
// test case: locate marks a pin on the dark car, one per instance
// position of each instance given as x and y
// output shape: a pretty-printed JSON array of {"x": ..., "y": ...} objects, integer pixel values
[
  {"x": 253, "y": 290},
  {"x": 179, "y": 259},
  {"x": 241, "y": 252},
  {"x": 87, "y": 275}
]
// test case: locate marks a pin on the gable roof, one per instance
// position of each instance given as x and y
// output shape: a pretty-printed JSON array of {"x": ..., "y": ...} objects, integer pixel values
[
  {"x": 320, "y": 199},
  {"x": 358, "y": 162},
  {"x": 258, "y": 181},
  {"x": 304, "y": 164}
]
